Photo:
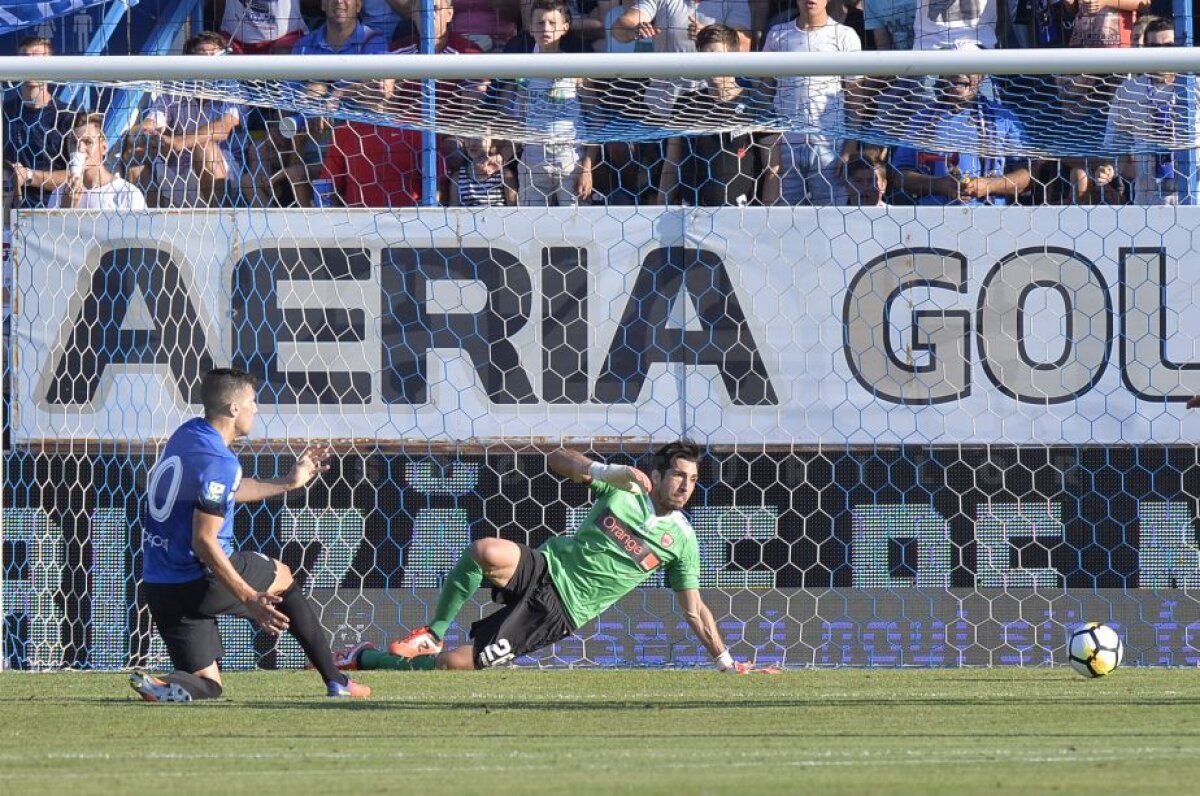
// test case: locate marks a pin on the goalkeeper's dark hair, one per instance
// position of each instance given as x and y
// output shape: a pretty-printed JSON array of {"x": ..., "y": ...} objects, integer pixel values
[
  {"x": 665, "y": 456},
  {"x": 220, "y": 387}
]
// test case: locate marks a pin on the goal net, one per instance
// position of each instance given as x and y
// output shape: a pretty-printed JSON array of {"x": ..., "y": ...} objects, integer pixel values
[{"x": 942, "y": 387}]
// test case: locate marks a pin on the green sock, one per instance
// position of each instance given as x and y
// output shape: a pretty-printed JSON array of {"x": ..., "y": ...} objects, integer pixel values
[
  {"x": 376, "y": 659},
  {"x": 462, "y": 582}
]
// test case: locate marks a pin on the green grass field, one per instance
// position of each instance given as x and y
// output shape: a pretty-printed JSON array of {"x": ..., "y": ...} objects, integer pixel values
[{"x": 1009, "y": 731}]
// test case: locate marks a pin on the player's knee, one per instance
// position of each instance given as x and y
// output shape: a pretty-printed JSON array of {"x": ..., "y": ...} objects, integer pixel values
[
  {"x": 283, "y": 578},
  {"x": 491, "y": 553}
]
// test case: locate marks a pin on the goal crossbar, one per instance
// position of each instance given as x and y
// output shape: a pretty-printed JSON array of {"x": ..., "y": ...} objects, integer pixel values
[{"x": 598, "y": 65}]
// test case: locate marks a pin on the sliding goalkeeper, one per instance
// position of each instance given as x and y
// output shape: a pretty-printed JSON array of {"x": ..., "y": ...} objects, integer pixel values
[{"x": 636, "y": 527}]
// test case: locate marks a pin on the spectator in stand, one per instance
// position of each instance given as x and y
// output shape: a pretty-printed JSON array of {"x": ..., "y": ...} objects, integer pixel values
[
  {"x": 482, "y": 180},
  {"x": 342, "y": 33},
  {"x": 1096, "y": 183},
  {"x": 445, "y": 39},
  {"x": 261, "y": 27},
  {"x": 728, "y": 168},
  {"x": 1148, "y": 113},
  {"x": 35, "y": 127},
  {"x": 672, "y": 25},
  {"x": 487, "y": 24},
  {"x": 456, "y": 99},
  {"x": 559, "y": 171},
  {"x": 943, "y": 23},
  {"x": 374, "y": 166},
  {"x": 890, "y": 23},
  {"x": 960, "y": 116},
  {"x": 190, "y": 139},
  {"x": 735, "y": 14},
  {"x": 383, "y": 16},
  {"x": 812, "y": 157},
  {"x": 868, "y": 183},
  {"x": 1103, "y": 23},
  {"x": 1084, "y": 99},
  {"x": 90, "y": 185},
  {"x": 266, "y": 179}
]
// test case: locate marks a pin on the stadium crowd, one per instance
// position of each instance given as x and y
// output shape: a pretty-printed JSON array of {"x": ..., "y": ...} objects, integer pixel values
[{"x": 191, "y": 152}]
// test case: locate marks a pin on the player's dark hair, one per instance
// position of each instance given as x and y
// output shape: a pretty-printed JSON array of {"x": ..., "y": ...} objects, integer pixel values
[
  {"x": 665, "y": 456},
  {"x": 717, "y": 33},
  {"x": 219, "y": 388},
  {"x": 203, "y": 37}
]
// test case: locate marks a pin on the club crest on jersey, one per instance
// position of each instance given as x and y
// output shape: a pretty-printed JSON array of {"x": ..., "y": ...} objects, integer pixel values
[{"x": 666, "y": 540}]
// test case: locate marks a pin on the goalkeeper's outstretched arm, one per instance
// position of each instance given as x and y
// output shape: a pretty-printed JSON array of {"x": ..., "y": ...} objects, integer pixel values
[
  {"x": 574, "y": 465},
  {"x": 700, "y": 619}
]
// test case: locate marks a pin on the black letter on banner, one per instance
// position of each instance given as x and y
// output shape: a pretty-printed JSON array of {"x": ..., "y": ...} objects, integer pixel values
[
  {"x": 565, "y": 325},
  {"x": 935, "y": 366},
  {"x": 260, "y": 326},
  {"x": 1146, "y": 367},
  {"x": 643, "y": 338},
  {"x": 99, "y": 338},
  {"x": 410, "y": 331},
  {"x": 1086, "y": 329}
]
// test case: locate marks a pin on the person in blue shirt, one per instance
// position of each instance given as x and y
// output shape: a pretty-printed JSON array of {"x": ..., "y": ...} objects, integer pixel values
[
  {"x": 35, "y": 128},
  {"x": 342, "y": 33},
  {"x": 191, "y": 572},
  {"x": 963, "y": 119}
]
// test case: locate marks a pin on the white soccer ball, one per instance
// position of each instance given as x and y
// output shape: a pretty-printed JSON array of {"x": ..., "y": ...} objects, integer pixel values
[{"x": 1095, "y": 650}]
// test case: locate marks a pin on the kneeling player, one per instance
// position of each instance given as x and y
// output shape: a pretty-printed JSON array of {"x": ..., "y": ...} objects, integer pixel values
[
  {"x": 190, "y": 571},
  {"x": 634, "y": 528}
]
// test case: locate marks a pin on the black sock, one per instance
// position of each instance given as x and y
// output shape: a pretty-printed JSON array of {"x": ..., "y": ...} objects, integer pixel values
[
  {"x": 198, "y": 687},
  {"x": 307, "y": 629}
]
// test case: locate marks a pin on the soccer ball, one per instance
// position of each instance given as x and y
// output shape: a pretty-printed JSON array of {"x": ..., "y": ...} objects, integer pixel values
[{"x": 1095, "y": 650}]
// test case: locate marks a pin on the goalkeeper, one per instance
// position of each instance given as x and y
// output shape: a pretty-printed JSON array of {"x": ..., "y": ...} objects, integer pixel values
[{"x": 635, "y": 528}]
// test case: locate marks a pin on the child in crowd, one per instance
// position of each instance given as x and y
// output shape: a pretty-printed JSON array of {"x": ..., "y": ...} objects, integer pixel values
[{"x": 482, "y": 181}]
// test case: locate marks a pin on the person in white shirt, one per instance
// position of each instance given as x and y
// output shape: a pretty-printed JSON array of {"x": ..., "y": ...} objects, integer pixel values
[
  {"x": 941, "y": 24},
  {"x": 91, "y": 186},
  {"x": 813, "y": 157},
  {"x": 260, "y": 27},
  {"x": 672, "y": 25},
  {"x": 558, "y": 171}
]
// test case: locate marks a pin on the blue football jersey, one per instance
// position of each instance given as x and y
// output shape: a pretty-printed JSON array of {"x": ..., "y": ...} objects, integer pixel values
[{"x": 196, "y": 472}]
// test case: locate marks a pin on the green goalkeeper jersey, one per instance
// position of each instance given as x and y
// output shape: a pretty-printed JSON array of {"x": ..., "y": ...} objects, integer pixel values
[{"x": 618, "y": 545}]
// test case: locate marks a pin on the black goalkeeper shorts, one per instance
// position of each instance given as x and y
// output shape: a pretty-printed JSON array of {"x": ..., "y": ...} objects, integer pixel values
[
  {"x": 533, "y": 615},
  {"x": 186, "y": 613}
]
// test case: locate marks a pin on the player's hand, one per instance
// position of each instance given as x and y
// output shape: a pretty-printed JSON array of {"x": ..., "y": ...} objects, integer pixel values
[
  {"x": 261, "y": 610},
  {"x": 646, "y": 30},
  {"x": 311, "y": 463}
]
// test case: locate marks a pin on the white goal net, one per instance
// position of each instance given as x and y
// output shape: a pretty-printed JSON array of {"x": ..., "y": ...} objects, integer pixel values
[{"x": 937, "y": 341}]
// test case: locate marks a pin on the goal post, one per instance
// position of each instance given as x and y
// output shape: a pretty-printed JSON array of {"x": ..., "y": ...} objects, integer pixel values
[{"x": 938, "y": 435}]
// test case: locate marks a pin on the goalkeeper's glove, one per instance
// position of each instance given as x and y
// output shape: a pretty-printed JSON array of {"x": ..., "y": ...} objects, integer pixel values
[{"x": 622, "y": 476}]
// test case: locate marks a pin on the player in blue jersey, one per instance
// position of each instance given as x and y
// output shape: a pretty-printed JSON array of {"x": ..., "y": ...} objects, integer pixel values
[{"x": 192, "y": 574}]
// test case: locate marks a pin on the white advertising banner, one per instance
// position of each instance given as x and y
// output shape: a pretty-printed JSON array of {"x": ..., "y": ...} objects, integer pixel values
[{"x": 748, "y": 326}]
